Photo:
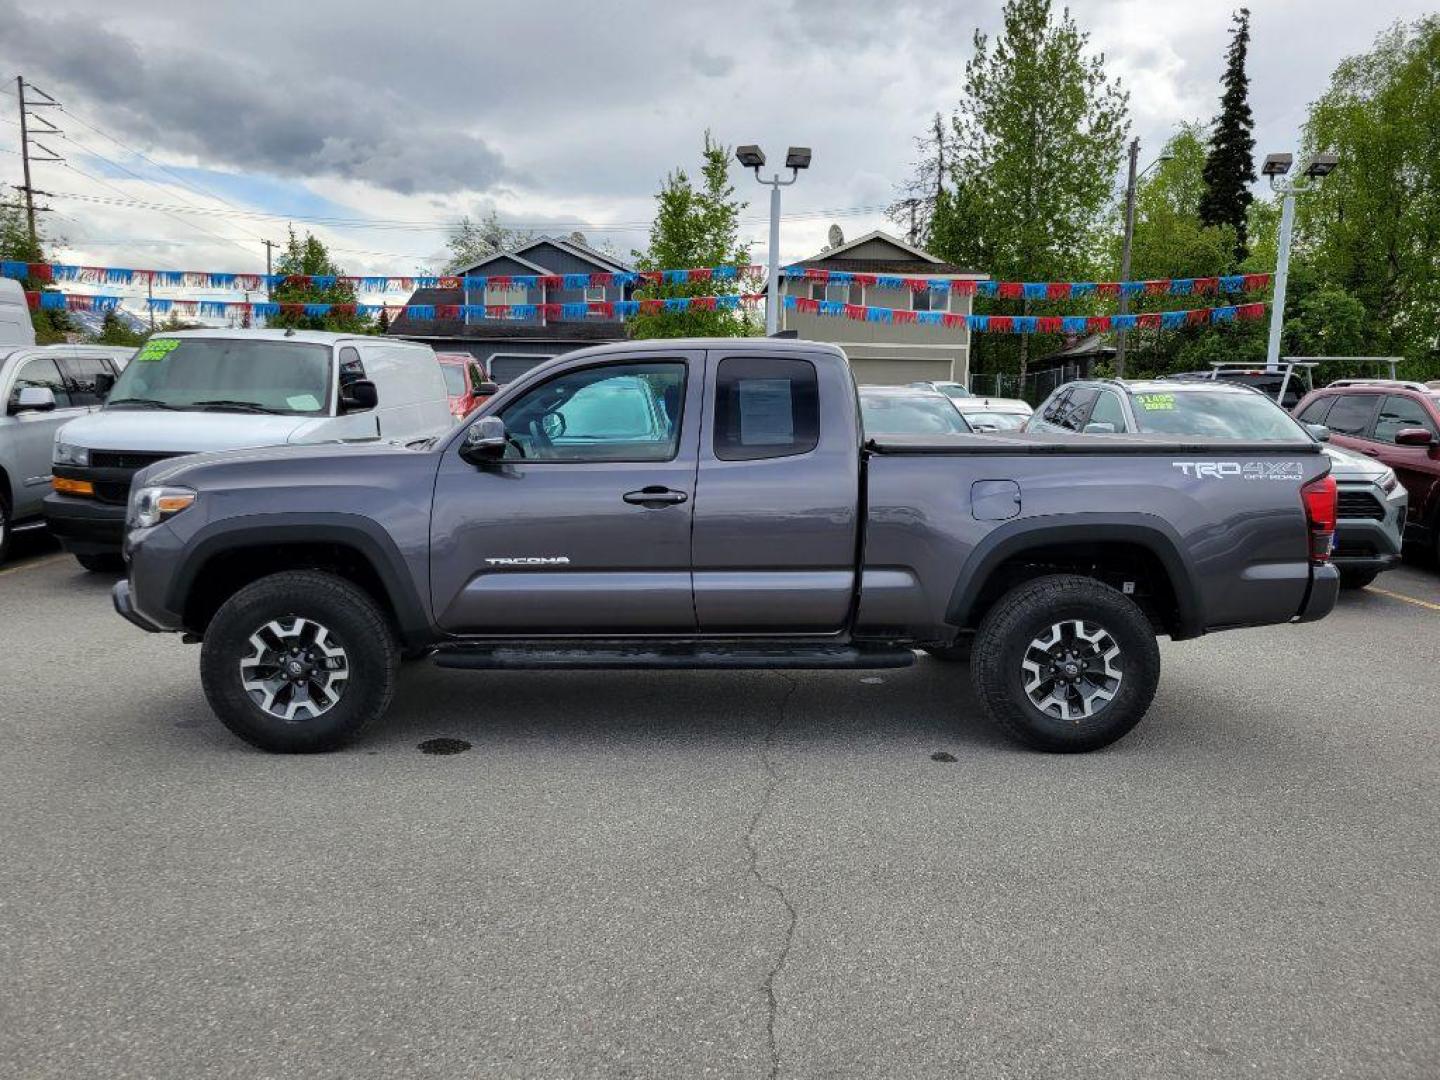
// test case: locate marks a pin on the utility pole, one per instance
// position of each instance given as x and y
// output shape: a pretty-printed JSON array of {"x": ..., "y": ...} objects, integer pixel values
[
  {"x": 150, "y": 299},
  {"x": 269, "y": 244},
  {"x": 1125, "y": 254},
  {"x": 25, "y": 161},
  {"x": 29, "y": 188}
]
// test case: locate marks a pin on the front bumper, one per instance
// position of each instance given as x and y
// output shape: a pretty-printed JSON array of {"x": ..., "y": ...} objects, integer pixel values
[
  {"x": 85, "y": 526},
  {"x": 120, "y": 597},
  {"x": 1371, "y": 542}
]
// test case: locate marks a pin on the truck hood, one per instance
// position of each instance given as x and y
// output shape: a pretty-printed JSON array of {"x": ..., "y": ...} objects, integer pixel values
[
  {"x": 157, "y": 430},
  {"x": 1346, "y": 465}
]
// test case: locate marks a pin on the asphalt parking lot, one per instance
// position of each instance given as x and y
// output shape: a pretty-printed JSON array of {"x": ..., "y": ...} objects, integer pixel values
[{"x": 723, "y": 874}]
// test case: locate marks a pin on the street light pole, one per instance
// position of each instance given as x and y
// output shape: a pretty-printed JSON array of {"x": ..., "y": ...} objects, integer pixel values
[
  {"x": 1125, "y": 255},
  {"x": 1275, "y": 167},
  {"x": 796, "y": 158},
  {"x": 1282, "y": 278}
]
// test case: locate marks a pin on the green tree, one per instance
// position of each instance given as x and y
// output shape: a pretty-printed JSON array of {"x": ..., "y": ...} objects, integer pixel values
[
  {"x": 1230, "y": 166},
  {"x": 310, "y": 257},
  {"x": 1037, "y": 142},
  {"x": 1170, "y": 241},
  {"x": 51, "y": 326},
  {"x": 695, "y": 225},
  {"x": 470, "y": 240},
  {"x": 113, "y": 331},
  {"x": 1372, "y": 228}
]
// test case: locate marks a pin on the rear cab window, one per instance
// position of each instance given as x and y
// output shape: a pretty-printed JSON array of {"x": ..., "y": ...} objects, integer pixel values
[{"x": 765, "y": 407}]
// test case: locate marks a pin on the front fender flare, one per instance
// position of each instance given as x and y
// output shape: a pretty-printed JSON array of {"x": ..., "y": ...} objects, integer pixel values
[{"x": 350, "y": 530}]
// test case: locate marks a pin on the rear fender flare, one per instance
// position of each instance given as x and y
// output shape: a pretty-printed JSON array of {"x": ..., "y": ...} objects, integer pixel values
[{"x": 1016, "y": 537}]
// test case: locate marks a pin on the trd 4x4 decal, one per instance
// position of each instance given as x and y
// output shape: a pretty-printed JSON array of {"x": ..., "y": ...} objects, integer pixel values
[{"x": 1245, "y": 470}]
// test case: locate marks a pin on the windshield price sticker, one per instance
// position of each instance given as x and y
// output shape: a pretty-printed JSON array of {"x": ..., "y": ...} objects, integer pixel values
[
  {"x": 158, "y": 348},
  {"x": 1156, "y": 402}
]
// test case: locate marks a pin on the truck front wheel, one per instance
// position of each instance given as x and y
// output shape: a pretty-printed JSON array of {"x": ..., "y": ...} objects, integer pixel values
[
  {"x": 299, "y": 662},
  {"x": 1065, "y": 663}
]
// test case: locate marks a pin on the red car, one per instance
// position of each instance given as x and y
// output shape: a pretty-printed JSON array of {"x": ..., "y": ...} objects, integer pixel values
[
  {"x": 467, "y": 382},
  {"x": 1397, "y": 423}
]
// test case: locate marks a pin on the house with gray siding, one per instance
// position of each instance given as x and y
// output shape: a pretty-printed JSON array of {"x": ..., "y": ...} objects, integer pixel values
[
  {"x": 511, "y": 346},
  {"x": 887, "y": 353}
]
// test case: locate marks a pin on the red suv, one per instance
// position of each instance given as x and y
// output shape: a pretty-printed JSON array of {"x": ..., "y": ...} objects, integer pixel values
[
  {"x": 466, "y": 381},
  {"x": 1399, "y": 424}
]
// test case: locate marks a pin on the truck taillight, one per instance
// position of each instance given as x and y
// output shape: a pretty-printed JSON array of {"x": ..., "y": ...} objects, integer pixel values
[{"x": 1319, "y": 497}]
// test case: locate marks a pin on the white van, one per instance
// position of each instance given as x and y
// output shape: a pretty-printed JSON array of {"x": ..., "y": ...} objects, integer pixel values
[
  {"x": 15, "y": 325},
  {"x": 193, "y": 391}
]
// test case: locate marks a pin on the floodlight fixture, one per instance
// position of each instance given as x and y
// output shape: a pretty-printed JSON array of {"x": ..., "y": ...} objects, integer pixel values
[
  {"x": 797, "y": 157},
  {"x": 752, "y": 157},
  {"x": 1321, "y": 165},
  {"x": 1276, "y": 164}
]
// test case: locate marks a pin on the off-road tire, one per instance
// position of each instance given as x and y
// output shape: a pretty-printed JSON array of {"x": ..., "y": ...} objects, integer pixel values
[
  {"x": 1357, "y": 579},
  {"x": 104, "y": 562},
  {"x": 347, "y": 612},
  {"x": 1025, "y": 613}
]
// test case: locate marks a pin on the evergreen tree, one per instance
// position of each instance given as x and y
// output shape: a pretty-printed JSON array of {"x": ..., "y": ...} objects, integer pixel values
[
  {"x": 115, "y": 332},
  {"x": 382, "y": 324},
  {"x": 310, "y": 257},
  {"x": 695, "y": 226},
  {"x": 1230, "y": 165}
]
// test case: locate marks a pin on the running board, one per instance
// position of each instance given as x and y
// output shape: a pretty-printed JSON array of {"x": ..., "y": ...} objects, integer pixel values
[{"x": 674, "y": 657}]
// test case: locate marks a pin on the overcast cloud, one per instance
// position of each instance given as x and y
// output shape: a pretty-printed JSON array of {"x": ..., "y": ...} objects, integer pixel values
[{"x": 563, "y": 112}]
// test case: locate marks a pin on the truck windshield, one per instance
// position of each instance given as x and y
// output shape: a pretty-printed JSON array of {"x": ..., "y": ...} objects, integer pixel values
[
  {"x": 1217, "y": 415},
  {"x": 454, "y": 379},
  {"x": 887, "y": 414},
  {"x": 226, "y": 374}
]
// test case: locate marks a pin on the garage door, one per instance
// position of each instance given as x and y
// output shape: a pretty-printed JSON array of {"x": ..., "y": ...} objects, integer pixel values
[{"x": 899, "y": 372}]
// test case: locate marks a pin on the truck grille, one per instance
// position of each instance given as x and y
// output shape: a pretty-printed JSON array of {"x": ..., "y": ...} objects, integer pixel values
[
  {"x": 116, "y": 489},
  {"x": 1359, "y": 504},
  {"x": 133, "y": 460}
]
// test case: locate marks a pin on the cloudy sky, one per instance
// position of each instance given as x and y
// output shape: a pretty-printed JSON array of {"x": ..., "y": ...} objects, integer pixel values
[{"x": 374, "y": 131}]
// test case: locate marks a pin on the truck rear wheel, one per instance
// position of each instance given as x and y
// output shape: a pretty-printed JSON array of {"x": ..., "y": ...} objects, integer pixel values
[
  {"x": 299, "y": 662},
  {"x": 1065, "y": 663}
]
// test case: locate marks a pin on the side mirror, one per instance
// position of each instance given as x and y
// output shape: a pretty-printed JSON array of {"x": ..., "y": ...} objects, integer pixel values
[
  {"x": 1318, "y": 432},
  {"x": 35, "y": 399},
  {"x": 484, "y": 442},
  {"x": 486, "y": 389},
  {"x": 358, "y": 396},
  {"x": 104, "y": 383},
  {"x": 1098, "y": 427},
  {"x": 1410, "y": 436}
]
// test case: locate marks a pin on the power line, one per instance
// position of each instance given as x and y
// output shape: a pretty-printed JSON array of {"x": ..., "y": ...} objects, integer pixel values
[{"x": 188, "y": 224}]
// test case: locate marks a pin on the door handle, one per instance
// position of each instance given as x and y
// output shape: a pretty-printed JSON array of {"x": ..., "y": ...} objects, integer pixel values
[{"x": 654, "y": 497}]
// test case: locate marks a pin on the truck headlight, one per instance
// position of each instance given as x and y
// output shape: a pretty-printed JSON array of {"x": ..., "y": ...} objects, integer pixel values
[
  {"x": 152, "y": 505},
  {"x": 1387, "y": 481},
  {"x": 70, "y": 454}
]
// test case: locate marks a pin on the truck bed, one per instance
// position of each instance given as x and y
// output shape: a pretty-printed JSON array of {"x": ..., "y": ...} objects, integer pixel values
[{"x": 1023, "y": 443}]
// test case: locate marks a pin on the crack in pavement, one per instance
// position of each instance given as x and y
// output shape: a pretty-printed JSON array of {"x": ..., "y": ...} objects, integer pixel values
[{"x": 773, "y": 782}]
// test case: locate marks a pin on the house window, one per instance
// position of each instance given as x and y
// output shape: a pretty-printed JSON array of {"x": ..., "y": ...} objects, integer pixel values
[
  {"x": 929, "y": 300},
  {"x": 817, "y": 290},
  {"x": 841, "y": 293},
  {"x": 508, "y": 296},
  {"x": 594, "y": 294}
]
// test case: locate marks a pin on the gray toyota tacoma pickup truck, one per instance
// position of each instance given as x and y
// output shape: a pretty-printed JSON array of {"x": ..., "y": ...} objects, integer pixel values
[{"x": 715, "y": 504}]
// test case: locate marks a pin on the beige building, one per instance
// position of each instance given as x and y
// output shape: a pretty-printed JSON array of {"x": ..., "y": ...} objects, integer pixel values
[{"x": 887, "y": 353}]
